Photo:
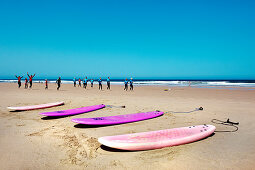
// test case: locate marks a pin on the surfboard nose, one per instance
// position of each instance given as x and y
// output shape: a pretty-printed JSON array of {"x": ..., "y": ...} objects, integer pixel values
[{"x": 211, "y": 127}]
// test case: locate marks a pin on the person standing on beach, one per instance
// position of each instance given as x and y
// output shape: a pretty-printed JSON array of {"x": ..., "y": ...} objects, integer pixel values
[
  {"x": 26, "y": 81},
  {"x": 46, "y": 84},
  {"x": 131, "y": 84},
  {"x": 79, "y": 82},
  {"x": 74, "y": 82},
  {"x": 100, "y": 83},
  {"x": 58, "y": 82},
  {"x": 108, "y": 83},
  {"x": 126, "y": 85},
  {"x": 91, "y": 81},
  {"x": 85, "y": 82},
  {"x": 30, "y": 79},
  {"x": 19, "y": 80}
]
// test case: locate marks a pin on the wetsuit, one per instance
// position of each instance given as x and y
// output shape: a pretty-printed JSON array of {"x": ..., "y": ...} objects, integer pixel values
[
  {"x": 85, "y": 81},
  {"x": 131, "y": 84},
  {"x": 74, "y": 82},
  {"x": 19, "y": 80},
  {"x": 26, "y": 83},
  {"x": 80, "y": 82},
  {"x": 108, "y": 83},
  {"x": 100, "y": 84},
  {"x": 46, "y": 84},
  {"x": 30, "y": 80},
  {"x": 58, "y": 82},
  {"x": 91, "y": 81},
  {"x": 126, "y": 85}
]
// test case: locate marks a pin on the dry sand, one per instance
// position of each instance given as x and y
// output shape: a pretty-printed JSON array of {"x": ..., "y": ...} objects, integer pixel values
[{"x": 30, "y": 141}]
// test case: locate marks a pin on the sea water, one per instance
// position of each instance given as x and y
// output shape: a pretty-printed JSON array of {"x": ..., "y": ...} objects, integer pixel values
[{"x": 159, "y": 82}]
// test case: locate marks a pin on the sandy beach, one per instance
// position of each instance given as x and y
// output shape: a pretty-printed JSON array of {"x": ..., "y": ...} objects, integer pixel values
[{"x": 31, "y": 141}]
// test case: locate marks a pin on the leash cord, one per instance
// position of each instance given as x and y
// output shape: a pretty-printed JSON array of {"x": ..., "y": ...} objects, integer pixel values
[
  {"x": 197, "y": 109},
  {"x": 111, "y": 106},
  {"x": 216, "y": 121}
]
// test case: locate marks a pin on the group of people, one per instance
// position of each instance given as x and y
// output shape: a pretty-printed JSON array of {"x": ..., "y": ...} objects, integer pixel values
[
  {"x": 100, "y": 86},
  {"x": 31, "y": 81},
  {"x": 26, "y": 80},
  {"x": 85, "y": 82},
  {"x": 58, "y": 82},
  {"x": 130, "y": 84}
]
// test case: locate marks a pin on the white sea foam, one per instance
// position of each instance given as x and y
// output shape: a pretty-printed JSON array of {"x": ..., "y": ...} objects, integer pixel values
[
  {"x": 225, "y": 83},
  {"x": 157, "y": 83},
  {"x": 163, "y": 83}
]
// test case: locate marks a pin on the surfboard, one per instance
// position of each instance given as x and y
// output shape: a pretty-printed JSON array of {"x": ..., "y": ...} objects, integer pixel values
[
  {"x": 112, "y": 120},
  {"x": 74, "y": 111},
  {"x": 34, "y": 107},
  {"x": 158, "y": 139}
]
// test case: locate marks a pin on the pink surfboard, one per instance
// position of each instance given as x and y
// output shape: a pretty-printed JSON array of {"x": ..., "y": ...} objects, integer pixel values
[
  {"x": 112, "y": 120},
  {"x": 74, "y": 111},
  {"x": 40, "y": 106},
  {"x": 158, "y": 139}
]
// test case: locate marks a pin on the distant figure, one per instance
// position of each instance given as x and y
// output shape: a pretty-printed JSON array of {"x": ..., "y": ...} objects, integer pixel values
[
  {"x": 131, "y": 84},
  {"x": 100, "y": 83},
  {"x": 19, "y": 80},
  {"x": 74, "y": 82},
  {"x": 91, "y": 81},
  {"x": 46, "y": 84},
  {"x": 126, "y": 85},
  {"x": 30, "y": 79},
  {"x": 26, "y": 81},
  {"x": 108, "y": 83},
  {"x": 79, "y": 82},
  {"x": 85, "y": 82},
  {"x": 58, "y": 82}
]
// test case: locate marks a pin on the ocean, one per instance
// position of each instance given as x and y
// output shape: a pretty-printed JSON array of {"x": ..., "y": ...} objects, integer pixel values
[{"x": 160, "y": 82}]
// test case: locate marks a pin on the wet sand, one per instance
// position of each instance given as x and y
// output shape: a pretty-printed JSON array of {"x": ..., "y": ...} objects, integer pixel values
[{"x": 31, "y": 141}]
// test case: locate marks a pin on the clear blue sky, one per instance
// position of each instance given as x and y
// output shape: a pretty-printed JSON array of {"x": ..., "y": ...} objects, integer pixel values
[{"x": 162, "y": 39}]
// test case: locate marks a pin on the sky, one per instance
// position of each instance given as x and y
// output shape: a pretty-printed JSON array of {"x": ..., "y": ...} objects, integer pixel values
[{"x": 124, "y": 38}]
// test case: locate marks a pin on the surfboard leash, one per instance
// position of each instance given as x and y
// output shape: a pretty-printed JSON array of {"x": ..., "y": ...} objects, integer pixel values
[
  {"x": 111, "y": 106},
  {"x": 226, "y": 123},
  {"x": 197, "y": 109}
]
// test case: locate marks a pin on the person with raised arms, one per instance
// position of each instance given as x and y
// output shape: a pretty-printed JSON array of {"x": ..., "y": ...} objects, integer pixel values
[
  {"x": 30, "y": 79},
  {"x": 126, "y": 85},
  {"x": 100, "y": 83},
  {"x": 19, "y": 80}
]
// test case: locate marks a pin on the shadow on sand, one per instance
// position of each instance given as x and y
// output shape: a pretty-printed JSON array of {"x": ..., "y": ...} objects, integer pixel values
[
  {"x": 92, "y": 126},
  {"x": 18, "y": 110},
  {"x": 53, "y": 117},
  {"x": 106, "y": 148}
]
